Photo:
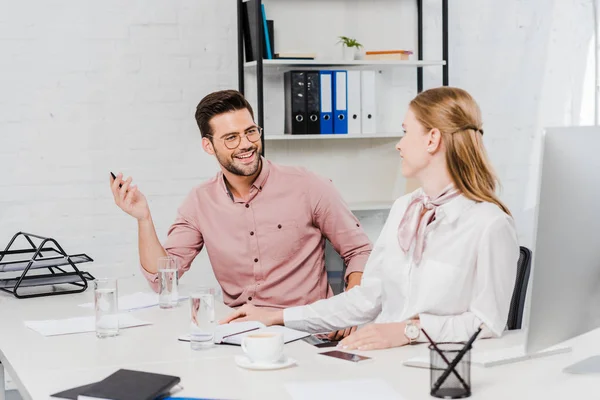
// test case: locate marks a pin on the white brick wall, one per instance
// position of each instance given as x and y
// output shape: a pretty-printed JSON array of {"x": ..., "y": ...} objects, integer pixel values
[
  {"x": 91, "y": 87},
  {"x": 88, "y": 87}
]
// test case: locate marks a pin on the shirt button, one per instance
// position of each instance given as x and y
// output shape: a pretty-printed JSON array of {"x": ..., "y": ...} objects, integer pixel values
[
  {"x": 256, "y": 260},
  {"x": 279, "y": 226},
  {"x": 358, "y": 225},
  {"x": 249, "y": 298},
  {"x": 247, "y": 205},
  {"x": 252, "y": 233}
]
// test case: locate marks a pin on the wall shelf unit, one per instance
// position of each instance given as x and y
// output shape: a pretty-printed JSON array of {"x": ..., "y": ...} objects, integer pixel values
[{"x": 259, "y": 66}]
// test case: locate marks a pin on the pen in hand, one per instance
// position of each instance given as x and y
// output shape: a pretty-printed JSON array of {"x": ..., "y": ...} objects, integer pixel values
[{"x": 114, "y": 177}]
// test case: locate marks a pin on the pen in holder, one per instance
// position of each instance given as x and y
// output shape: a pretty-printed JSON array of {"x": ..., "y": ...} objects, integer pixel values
[{"x": 451, "y": 358}]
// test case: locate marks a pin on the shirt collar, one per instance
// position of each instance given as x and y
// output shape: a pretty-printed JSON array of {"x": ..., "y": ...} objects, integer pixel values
[
  {"x": 259, "y": 182},
  {"x": 451, "y": 210},
  {"x": 261, "y": 179},
  {"x": 454, "y": 208}
]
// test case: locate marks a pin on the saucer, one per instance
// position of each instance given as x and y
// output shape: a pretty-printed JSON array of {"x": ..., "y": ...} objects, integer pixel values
[{"x": 244, "y": 362}]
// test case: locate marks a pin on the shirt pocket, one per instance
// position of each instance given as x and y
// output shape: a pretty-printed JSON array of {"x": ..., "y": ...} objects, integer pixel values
[{"x": 280, "y": 240}]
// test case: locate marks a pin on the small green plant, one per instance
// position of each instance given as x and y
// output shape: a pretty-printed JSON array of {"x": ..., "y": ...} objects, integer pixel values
[{"x": 349, "y": 42}]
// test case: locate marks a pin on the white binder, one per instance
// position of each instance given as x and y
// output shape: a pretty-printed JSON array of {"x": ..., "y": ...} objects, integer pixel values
[
  {"x": 354, "y": 114},
  {"x": 368, "y": 103}
]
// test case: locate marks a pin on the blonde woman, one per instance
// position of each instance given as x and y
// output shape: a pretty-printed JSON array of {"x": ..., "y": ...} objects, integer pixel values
[{"x": 446, "y": 258}]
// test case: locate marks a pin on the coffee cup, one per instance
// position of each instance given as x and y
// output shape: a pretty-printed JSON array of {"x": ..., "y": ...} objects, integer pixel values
[{"x": 263, "y": 348}]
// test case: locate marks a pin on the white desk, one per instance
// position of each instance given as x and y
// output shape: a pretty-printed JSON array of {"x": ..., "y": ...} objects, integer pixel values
[{"x": 41, "y": 365}]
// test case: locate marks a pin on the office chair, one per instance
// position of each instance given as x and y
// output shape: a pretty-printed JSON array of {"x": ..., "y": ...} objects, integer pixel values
[{"x": 517, "y": 303}]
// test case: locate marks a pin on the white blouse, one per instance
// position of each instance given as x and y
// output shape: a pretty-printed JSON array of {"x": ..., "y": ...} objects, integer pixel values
[{"x": 466, "y": 277}]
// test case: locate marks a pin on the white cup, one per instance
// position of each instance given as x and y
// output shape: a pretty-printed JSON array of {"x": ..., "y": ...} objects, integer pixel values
[{"x": 263, "y": 348}]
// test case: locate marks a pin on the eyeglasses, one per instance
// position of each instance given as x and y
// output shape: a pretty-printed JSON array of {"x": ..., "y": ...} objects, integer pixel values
[{"x": 233, "y": 140}]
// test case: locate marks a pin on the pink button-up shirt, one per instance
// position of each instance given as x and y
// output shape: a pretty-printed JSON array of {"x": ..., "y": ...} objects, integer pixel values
[{"x": 269, "y": 250}]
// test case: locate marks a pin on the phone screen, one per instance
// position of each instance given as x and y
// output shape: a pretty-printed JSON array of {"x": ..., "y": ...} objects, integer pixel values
[{"x": 345, "y": 356}]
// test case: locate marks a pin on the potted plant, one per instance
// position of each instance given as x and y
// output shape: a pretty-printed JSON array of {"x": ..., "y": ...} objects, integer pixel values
[{"x": 351, "y": 48}]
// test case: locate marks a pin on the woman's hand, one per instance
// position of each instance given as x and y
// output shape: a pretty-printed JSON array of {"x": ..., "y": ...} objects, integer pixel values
[
  {"x": 376, "y": 336},
  {"x": 248, "y": 312}
]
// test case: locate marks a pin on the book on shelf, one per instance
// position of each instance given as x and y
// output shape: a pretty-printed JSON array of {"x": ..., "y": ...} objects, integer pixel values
[
  {"x": 293, "y": 55},
  {"x": 388, "y": 55},
  {"x": 251, "y": 29}
]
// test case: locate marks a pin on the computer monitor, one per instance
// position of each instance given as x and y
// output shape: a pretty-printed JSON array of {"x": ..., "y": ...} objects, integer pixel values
[{"x": 565, "y": 293}]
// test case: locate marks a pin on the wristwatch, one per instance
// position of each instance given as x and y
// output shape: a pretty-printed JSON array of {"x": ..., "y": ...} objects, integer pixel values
[{"x": 411, "y": 331}]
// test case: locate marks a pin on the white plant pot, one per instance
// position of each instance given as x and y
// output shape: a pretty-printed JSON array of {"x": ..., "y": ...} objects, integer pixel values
[{"x": 350, "y": 53}]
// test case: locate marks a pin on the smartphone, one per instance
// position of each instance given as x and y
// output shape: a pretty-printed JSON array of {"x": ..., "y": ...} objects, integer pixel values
[
  {"x": 318, "y": 341},
  {"x": 345, "y": 356},
  {"x": 114, "y": 177}
]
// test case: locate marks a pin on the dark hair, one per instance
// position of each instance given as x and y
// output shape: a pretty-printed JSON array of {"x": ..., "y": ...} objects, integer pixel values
[{"x": 218, "y": 103}]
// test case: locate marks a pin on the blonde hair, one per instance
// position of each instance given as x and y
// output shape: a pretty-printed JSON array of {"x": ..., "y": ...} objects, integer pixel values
[{"x": 457, "y": 116}]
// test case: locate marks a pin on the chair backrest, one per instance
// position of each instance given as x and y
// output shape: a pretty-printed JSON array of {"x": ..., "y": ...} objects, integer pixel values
[{"x": 517, "y": 303}]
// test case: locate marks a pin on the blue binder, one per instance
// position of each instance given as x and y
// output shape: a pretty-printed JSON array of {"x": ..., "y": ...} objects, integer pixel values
[
  {"x": 340, "y": 102},
  {"x": 326, "y": 102}
]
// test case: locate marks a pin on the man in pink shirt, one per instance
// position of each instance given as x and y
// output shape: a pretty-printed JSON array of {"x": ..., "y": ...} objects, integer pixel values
[{"x": 264, "y": 225}]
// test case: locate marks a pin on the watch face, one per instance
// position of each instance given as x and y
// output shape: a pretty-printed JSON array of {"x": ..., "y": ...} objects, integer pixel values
[{"x": 412, "y": 331}]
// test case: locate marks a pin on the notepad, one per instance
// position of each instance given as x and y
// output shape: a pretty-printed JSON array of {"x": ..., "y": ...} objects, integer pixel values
[
  {"x": 128, "y": 384},
  {"x": 491, "y": 358},
  {"x": 356, "y": 389},
  {"x": 135, "y": 301},
  {"x": 235, "y": 332},
  {"x": 73, "y": 394},
  {"x": 53, "y": 327}
]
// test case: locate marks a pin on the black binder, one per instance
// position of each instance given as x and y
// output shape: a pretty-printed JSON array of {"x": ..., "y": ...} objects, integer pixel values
[
  {"x": 295, "y": 102},
  {"x": 313, "y": 102}
]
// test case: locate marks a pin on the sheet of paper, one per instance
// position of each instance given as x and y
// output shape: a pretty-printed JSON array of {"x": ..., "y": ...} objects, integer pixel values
[
  {"x": 67, "y": 326},
  {"x": 359, "y": 389},
  {"x": 135, "y": 301}
]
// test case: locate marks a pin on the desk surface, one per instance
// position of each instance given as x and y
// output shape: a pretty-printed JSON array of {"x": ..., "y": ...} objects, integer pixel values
[{"x": 41, "y": 365}]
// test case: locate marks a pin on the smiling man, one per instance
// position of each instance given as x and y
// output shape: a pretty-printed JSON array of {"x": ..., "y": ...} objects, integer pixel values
[{"x": 264, "y": 225}]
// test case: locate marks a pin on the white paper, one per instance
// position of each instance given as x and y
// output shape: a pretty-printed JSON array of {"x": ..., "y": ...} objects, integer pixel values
[
  {"x": 67, "y": 326},
  {"x": 134, "y": 301},
  {"x": 234, "y": 332},
  {"x": 358, "y": 389}
]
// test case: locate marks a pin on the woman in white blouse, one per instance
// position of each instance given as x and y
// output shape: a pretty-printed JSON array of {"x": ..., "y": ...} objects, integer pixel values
[{"x": 446, "y": 258}]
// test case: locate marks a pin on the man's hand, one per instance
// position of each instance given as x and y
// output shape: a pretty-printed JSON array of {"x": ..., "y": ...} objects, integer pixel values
[
  {"x": 376, "y": 336},
  {"x": 129, "y": 198},
  {"x": 248, "y": 312},
  {"x": 353, "y": 280}
]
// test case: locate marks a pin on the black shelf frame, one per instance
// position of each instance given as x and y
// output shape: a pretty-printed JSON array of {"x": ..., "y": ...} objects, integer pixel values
[{"x": 259, "y": 113}]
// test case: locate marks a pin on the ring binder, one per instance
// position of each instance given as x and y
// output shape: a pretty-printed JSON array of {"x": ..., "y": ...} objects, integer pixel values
[{"x": 47, "y": 255}]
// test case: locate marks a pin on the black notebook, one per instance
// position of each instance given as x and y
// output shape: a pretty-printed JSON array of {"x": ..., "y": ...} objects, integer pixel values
[{"x": 125, "y": 385}]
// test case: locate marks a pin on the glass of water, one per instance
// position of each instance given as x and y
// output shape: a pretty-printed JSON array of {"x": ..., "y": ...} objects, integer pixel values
[
  {"x": 168, "y": 292},
  {"x": 106, "y": 306},
  {"x": 202, "y": 322}
]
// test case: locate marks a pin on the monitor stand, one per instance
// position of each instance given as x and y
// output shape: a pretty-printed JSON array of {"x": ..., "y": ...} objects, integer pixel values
[{"x": 587, "y": 366}]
